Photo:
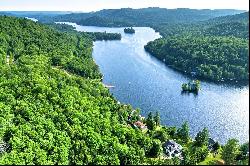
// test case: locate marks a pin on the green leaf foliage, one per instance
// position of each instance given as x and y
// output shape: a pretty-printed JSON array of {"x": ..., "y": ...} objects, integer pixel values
[{"x": 53, "y": 107}]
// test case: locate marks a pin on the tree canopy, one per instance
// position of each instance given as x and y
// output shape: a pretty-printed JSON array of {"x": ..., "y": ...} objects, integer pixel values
[{"x": 53, "y": 106}]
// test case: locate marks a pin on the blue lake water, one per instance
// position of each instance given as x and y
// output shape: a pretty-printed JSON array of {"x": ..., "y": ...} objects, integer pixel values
[
  {"x": 146, "y": 83},
  {"x": 33, "y": 19}
]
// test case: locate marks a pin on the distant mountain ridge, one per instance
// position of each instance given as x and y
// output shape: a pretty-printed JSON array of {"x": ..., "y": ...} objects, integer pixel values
[
  {"x": 34, "y": 14},
  {"x": 128, "y": 16},
  {"x": 235, "y": 25},
  {"x": 231, "y": 25},
  {"x": 144, "y": 17},
  {"x": 27, "y": 13}
]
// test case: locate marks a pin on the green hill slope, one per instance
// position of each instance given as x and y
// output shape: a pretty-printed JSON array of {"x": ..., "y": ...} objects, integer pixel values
[
  {"x": 217, "y": 49},
  {"x": 53, "y": 107},
  {"x": 135, "y": 17},
  {"x": 233, "y": 25}
]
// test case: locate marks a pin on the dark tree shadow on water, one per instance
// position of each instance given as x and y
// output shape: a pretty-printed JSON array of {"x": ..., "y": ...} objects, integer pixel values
[{"x": 186, "y": 93}]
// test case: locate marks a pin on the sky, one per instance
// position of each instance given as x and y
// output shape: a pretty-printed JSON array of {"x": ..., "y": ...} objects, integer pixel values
[{"x": 95, "y": 5}]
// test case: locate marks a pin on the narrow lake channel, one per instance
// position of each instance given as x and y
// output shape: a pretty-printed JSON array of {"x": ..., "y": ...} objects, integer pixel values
[{"x": 144, "y": 82}]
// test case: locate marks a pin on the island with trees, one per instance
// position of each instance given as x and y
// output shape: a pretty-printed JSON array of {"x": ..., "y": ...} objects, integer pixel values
[
  {"x": 129, "y": 30},
  {"x": 104, "y": 36},
  {"x": 192, "y": 86}
]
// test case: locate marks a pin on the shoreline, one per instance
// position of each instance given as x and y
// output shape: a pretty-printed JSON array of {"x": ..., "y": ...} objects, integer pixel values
[{"x": 231, "y": 83}]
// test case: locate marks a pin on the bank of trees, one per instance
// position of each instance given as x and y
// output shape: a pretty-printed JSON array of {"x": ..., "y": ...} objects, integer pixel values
[
  {"x": 104, "y": 36},
  {"x": 53, "y": 107},
  {"x": 93, "y": 35},
  {"x": 214, "y": 58},
  {"x": 233, "y": 153},
  {"x": 216, "y": 49},
  {"x": 232, "y": 25}
]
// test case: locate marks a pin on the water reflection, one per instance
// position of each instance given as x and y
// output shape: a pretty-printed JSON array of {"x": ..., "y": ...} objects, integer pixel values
[{"x": 195, "y": 94}]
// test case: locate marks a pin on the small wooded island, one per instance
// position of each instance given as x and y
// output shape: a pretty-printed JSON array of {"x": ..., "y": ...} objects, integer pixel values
[
  {"x": 129, "y": 30},
  {"x": 192, "y": 86}
]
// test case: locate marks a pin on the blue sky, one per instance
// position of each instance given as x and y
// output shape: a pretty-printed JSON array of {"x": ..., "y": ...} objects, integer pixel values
[{"x": 94, "y": 5}]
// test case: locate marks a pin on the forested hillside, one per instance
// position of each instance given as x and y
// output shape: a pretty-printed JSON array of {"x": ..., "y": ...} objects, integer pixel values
[
  {"x": 133, "y": 17},
  {"x": 53, "y": 107},
  {"x": 144, "y": 17},
  {"x": 217, "y": 49},
  {"x": 233, "y": 25},
  {"x": 236, "y": 25},
  {"x": 215, "y": 58}
]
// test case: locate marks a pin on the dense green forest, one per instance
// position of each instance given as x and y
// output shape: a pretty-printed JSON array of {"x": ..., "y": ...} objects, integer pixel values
[
  {"x": 141, "y": 17},
  {"x": 104, "y": 36},
  {"x": 235, "y": 25},
  {"x": 217, "y": 49},
  {"x": 232, "y": 25},
  {"x": 55, "y": 110},
  {"x": 215, "y": 58}
]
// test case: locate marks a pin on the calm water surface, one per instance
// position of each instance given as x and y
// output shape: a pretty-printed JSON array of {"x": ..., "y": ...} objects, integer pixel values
[
  {"x": 146, "y": 83},
  {"x": 33, "y": 19}
]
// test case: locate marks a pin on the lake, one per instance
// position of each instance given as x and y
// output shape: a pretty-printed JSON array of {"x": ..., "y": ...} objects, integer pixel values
[
  {"x": 33, "y": 19},
  {"x": 146, "y": 83}
]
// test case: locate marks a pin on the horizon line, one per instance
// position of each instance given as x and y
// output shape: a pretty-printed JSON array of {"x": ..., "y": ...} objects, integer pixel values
[{"x": 5, "y": 10}]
